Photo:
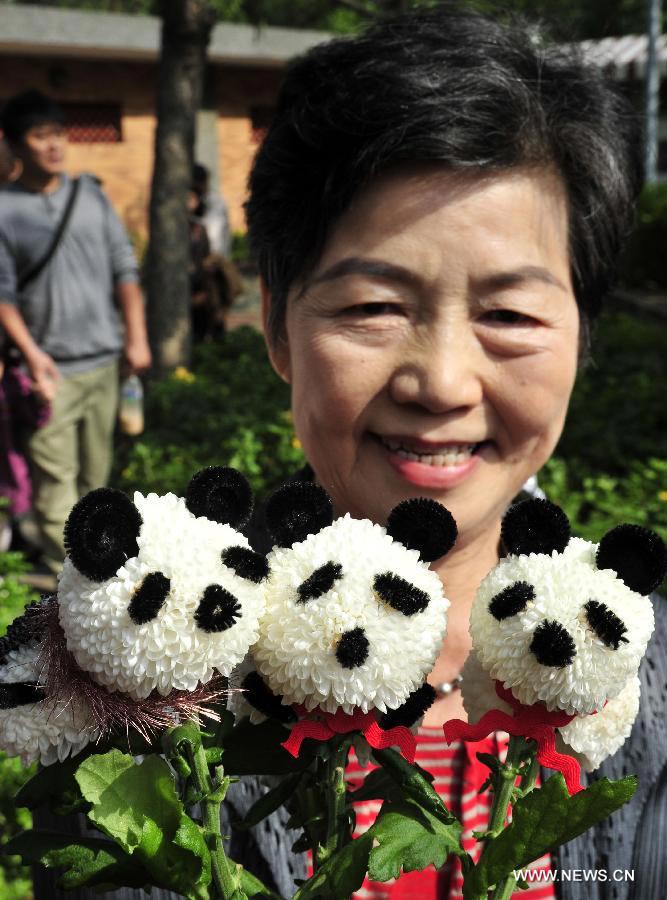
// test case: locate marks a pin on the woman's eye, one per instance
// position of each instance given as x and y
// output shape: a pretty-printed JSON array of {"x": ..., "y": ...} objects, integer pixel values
[
  {"x": 507, "y": 317},
  {"x": 371, "y": 309}
]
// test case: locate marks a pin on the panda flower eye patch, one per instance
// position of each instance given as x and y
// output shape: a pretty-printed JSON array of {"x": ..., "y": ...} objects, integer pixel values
[
  {"x": 400, "y": 594},
  {"x": 321, "y": 581}
]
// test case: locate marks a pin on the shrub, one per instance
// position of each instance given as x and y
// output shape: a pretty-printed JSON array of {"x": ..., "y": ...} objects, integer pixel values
[
  {"x": 230, "y": 410},
  {"x": 644, "y": 264},
  {"x": 14, "y": 879},
  {"x": 611, "y": 463}
]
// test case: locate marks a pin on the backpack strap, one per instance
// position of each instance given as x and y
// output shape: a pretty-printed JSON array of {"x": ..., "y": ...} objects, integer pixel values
[{"x": 34, "y": 270}]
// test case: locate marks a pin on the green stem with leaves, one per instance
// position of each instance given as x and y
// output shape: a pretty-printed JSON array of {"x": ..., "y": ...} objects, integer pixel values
[
  {"x": 504, "y": 788},
  {"x": 212, "y": 792},
  {"x": 336, "y": 832}
]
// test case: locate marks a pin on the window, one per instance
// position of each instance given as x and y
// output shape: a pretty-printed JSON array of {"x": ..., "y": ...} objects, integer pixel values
[{"x": 93, "y": 123}]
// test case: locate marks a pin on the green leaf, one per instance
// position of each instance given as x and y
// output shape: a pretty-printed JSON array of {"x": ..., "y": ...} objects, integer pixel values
[
  {"x": 377, "y": 785},
  {"x": 415, "y": 784},
  {"x": 270, "y": 801},
  {"x": 410, "y": 838},
  {"x": 342, "y": 874},
  {"x": 542, "y": 820},
  {"x": 88, "y": 861},
  {"x": 154, "y": 827}
]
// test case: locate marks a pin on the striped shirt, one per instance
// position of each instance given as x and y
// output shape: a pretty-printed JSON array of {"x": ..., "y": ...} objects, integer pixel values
[{"x": 457, "y": 777}]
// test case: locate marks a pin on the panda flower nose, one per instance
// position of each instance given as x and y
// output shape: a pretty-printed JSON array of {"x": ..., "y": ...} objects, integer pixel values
[
  {"x": 552, "y": 645},
  {"x": 352, "y": 648}
]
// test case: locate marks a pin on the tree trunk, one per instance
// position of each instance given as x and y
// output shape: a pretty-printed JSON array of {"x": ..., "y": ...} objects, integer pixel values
[{"x": 186, "y": 28}]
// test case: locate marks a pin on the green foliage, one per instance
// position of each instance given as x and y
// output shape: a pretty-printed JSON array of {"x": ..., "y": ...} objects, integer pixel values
[
  {"x": 154, "y": 826},
  {"x": 86, "y": 861},
  {"x": 342, "y": 874},
  {"x": 409, "y": 838},
  {"x": 644, "y": 264},
  {"x": 240, "y": 247},
  {"x": 611, "y": 463},
  {"x": 230, "y": 410},
  {"x": 542, "y": 820},
  {"x": 14, "y": 878}
]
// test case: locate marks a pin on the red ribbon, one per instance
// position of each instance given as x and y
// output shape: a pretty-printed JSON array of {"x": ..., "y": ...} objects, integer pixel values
[
  {"x": 341, "y": 722},
  {"x": 535, "y": 722}
]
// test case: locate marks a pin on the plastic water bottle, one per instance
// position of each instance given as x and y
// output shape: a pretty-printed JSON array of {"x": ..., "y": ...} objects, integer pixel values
[{"x": 131, "y": 410}]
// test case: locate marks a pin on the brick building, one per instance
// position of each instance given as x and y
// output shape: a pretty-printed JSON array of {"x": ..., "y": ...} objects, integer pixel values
[{"x": 102, "y": 68}]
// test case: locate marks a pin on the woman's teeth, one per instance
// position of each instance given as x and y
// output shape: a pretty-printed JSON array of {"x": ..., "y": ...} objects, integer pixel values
[{"x": 452, "y": 455}]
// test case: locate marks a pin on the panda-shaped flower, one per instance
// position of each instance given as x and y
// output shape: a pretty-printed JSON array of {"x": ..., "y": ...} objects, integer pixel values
[
  {"x": 565, "y": 623},
  {"x": 354, "y": 617},
  {"x": 159, "y": 593},
  {"x": 32, "y": 725}
]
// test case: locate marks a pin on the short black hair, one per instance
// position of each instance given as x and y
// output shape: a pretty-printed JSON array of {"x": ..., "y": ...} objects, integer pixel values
[
  {"x": 452, "y": 86},
  {"x": 26, "y": 110}
]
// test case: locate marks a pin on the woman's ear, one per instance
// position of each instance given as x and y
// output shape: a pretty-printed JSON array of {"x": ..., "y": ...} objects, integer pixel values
[{"x": 277, "y": 348}]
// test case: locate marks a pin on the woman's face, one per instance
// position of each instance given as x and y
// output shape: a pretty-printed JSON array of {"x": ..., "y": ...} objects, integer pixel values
[{"x": 433, "y": 350}]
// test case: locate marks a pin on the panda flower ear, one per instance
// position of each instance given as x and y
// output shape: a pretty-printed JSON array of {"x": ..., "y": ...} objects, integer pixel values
[
  {"x": 535, "y": 526},
  {"x": 637, "y": 555},
  {"x": 424, "y": 525},
  {"x": 220, "y": 494},
  {"x": 101, "y": 533},
  {"x": 296, "y": 510}
]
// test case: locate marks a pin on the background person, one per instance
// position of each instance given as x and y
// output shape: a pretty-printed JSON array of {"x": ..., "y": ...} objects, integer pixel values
[{"x": 65, "y": 322}]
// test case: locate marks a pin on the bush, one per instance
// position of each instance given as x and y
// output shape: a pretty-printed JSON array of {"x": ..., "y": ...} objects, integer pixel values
[
  {"x": 14, "y": 878},
  {"x": 611, "y": 463},
  {"x": 230, "y": 410},
  {"x": 644, "y": 263}
]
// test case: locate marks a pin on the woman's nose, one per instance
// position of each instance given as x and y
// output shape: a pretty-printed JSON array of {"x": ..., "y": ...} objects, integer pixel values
[{"x": 442, "y": 371}]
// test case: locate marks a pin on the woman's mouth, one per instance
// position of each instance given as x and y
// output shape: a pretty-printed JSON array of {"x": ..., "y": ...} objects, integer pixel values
[
  {"x": 445, "y": 455},
  {"x": 431, "y": 465}
]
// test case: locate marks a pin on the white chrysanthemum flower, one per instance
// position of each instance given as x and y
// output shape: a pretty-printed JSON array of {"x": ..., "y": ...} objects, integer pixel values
[
  {"x": 591, "y": 739},
  {"x": 604, "y": 625},
  {"x": 180, "y": 563},
  {"x": 333, "y": 635},
  {"x": 48, "y": 730}
]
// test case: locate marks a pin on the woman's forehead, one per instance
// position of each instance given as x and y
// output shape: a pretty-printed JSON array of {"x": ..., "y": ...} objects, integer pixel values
[{"x": 427, "y": 219}]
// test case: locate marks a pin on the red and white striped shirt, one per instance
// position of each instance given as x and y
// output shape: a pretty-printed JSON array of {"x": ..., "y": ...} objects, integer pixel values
[{"x": 458, "y": 775}]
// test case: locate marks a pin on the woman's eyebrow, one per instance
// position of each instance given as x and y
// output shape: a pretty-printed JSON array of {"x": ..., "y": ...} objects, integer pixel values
[
  {"x": 500, "y": 280},
  {"x": 371, "y": 268}
]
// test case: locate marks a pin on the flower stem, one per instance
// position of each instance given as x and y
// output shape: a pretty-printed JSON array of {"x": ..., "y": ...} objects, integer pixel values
[
  {"x": 504, "y": 786},
  {"x": 337, "y": 832},
  {"x": 225, "y": 878}
]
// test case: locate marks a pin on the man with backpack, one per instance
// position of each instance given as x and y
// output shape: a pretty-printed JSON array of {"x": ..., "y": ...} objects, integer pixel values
[{"x": 70, "y": 303}]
